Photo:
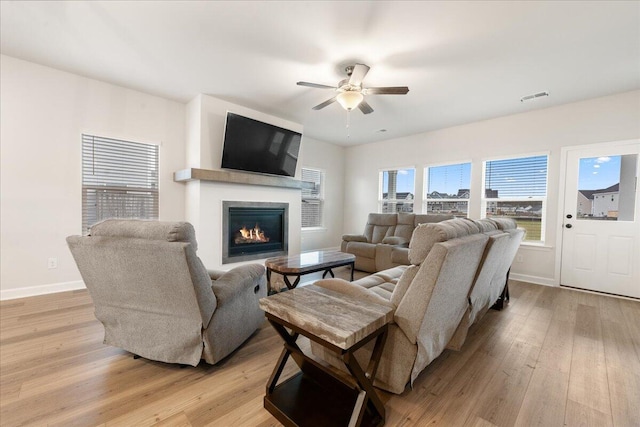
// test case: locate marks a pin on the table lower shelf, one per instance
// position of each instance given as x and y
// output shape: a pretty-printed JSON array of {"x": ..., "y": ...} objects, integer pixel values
[{"x": 303, "y": 401}]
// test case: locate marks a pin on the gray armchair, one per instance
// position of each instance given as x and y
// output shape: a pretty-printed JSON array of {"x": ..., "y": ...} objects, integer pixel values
[{"x": 156, "y": 299}]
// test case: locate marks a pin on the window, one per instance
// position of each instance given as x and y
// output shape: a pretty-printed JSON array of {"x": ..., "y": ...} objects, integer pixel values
[
  {"x": 517, "y": 188},
  {"x": 119, "y": 180},
  {"x": 396, "y": 190},
  {"x": 312, "y": 199},
  {"x": 447, "y": 189}
]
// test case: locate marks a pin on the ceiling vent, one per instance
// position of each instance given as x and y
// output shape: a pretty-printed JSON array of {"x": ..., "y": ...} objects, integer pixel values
[{"x": 534, "y": 96}]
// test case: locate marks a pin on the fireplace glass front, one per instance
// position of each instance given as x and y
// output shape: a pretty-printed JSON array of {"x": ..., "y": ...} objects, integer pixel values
[{"x": 254, "y": 230}]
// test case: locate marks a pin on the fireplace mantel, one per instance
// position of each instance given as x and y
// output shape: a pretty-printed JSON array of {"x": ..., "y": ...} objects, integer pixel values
[{"x": 194, "y": 174}]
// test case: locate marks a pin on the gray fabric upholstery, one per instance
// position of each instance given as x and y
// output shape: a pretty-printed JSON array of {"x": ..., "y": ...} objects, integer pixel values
[
  {"x": 430, "y": 300},
  {"x": 156, "y": 299},
  {"x": 491, "y": 278},
  {"x": 385, "y": 239},
  {"x": 430, "y": 234}
]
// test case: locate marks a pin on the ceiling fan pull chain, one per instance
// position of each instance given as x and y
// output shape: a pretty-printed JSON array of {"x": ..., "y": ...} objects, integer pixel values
[{"x": 348, "y": 123}]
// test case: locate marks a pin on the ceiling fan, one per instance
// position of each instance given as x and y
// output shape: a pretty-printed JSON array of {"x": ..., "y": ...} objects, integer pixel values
[{"x": 350, "y": 91}]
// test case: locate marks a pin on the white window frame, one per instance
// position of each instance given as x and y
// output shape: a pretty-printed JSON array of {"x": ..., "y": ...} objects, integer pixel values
[
  {"x": 543, "y": 217},
  {"x": 425, "y": 196},
  {"x": 319, "y": 198},
  {"x": 104, "y": 183},
  {"x": 382, "y": 201}
]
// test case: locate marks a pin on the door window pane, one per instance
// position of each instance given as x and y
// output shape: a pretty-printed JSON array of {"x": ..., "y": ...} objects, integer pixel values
[{"x": 606, "y": 188}]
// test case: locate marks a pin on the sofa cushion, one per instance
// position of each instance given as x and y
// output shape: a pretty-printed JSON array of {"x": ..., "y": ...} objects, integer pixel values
[
  {"x": 405, "y": 226},
  {"x": 380, "y": 226},
  {"x": 485, "y": 225},
  {"x": 168, "y": 231},
  {"x": 427, "y": 235},
  {"x": 430, "y": 218},
  {"x": 505, "y": 223},
  {"x": 370, "y": 281}
]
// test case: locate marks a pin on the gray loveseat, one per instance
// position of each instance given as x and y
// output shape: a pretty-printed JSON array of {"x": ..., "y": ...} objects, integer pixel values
[
  {"x": 156, "y": 299},
  {"x": 385, "y": 241}
]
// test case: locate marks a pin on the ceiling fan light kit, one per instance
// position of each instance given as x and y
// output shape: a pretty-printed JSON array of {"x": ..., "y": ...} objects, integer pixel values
[
  {"x": 350, "y": 99},
  {"x": 350, "y": 91}
]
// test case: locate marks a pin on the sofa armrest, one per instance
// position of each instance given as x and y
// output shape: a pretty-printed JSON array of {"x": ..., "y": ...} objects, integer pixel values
[
  {"x": 395, "y": 241},
  {"x": 246, "y": 278},
  {"x": 354, "y": 238},
  {"x": 348, "y": 288}
]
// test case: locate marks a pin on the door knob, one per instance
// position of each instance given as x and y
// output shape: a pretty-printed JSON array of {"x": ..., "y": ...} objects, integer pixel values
[
  {"x": 568, "y": 225},
  {"x": 569, "y": 216}
]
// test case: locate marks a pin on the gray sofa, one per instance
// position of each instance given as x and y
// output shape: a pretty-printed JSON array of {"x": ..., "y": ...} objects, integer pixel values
[
  {"x": 434, "y": 298},
  {"x": 156, "y": 299},
  {"x": 385, "y": 241}
]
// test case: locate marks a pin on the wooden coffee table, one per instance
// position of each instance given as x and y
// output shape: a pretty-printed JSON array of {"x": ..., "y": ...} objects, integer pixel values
[{"x": 307, "y": 262}]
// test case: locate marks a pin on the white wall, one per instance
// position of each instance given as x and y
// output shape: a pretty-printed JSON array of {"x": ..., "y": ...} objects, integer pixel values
[
  {"x": 43, "y": 112},
  {"x": 605, "y": 119},
  {"x": 330, "y": 159}
]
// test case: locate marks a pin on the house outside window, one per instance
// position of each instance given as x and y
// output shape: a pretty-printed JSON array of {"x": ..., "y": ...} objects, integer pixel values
[
  {"x": 447, "y": 189},
  {"x": 396, "y": 190},
  {"x": 312, "y": 199},
  {"x": 119, "y": 180},
  {"x": 517, "y": 188}
]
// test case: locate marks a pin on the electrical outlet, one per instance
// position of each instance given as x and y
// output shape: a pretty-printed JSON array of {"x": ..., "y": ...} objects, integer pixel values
[
  {"x": 519, "y": 258},
  {"x": 52, "y": 263}
]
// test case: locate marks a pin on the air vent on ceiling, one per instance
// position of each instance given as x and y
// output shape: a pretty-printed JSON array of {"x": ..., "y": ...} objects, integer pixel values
[{"x": 534, "y": 96}]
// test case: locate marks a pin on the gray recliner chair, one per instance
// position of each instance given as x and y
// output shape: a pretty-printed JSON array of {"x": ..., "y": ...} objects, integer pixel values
[{"x": 156, "y": 299}]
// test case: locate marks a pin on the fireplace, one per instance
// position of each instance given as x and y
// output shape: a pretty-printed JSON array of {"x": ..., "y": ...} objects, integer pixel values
[{"x": 254, "y": 230}]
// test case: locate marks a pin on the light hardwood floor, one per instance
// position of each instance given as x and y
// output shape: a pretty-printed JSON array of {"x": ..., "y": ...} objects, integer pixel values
[{"x": 553, "y": 357}]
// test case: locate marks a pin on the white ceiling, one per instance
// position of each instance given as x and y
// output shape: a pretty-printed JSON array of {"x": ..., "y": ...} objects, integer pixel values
[{"x": 462, "y": 61}]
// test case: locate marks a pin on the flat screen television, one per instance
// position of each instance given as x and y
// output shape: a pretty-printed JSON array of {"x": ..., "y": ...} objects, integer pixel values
[{"x": 254, "y": 146}]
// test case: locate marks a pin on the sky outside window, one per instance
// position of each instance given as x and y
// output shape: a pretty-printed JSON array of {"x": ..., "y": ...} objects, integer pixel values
[
  {"x": 597, "y": 173},
  {"x": 450, "y": 178}
]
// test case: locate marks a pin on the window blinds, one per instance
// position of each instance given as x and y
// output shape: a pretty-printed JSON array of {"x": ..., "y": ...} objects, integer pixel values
[
  {"x": 119, "y": 180},
  {"x": 524, "y": 177},
  {"x": 312, "y": 199}
]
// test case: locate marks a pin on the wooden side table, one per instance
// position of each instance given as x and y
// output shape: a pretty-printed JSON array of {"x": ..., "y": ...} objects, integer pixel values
[{"x": 317, "y": 396}]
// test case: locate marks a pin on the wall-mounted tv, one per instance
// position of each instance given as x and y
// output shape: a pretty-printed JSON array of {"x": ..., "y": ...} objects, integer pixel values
[{"x": 254, "y": 146}]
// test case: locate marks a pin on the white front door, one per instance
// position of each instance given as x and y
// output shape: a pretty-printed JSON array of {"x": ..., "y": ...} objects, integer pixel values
[{"x": 601, "y": 228}]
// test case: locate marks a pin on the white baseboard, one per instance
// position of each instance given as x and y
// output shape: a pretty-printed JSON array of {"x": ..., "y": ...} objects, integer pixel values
[
  {"x": 533, "y": 279},
  {"x": 31, "y": 291}
]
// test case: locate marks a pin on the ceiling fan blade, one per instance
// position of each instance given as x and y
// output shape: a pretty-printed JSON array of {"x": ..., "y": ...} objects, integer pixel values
[
  {"x": 324, "y": 104},
  {"x": 365, "y": 107},
  {"x": 358, "y": 73},
  {"x": 316, "y": 85},
  {"x": 397, "y": 90}
]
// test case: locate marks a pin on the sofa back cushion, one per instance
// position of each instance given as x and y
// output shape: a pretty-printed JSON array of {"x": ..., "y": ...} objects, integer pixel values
[
  {"x": 405, "y": 226},
  {"x": 150, "y": 248},
  {"x": 429, "y": 218},
  {"x": 148, "y": 230},
  {"x": 427, "y": 235},
  {"x": 505, "y": 223},
  {"x": 485, "y": 225},
  {"x": 380, "y": 226}
]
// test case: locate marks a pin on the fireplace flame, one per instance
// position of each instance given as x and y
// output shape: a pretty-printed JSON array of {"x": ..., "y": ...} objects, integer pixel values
[{"x": 251, "y": 235}]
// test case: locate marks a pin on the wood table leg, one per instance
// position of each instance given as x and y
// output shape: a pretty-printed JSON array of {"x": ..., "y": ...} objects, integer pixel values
[{"x": 364, "y": 380}]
